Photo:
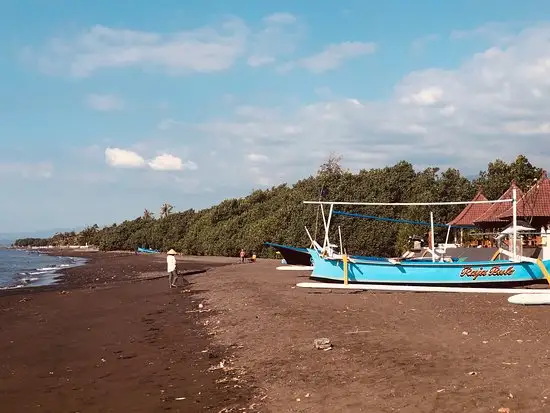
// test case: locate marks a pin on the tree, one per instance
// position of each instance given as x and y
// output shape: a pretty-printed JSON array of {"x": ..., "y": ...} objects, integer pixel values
[
  {"x": 147, "y": 215},
  {"x": 165, "y": 210},
  {"x": 499, "y": 175},
  {"x": 331, "y": 166},
  {"x": 279, "y": 215}
]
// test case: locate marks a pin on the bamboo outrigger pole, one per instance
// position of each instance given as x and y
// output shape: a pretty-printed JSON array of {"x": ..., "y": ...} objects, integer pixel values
[{"x": 514, "y": 224}]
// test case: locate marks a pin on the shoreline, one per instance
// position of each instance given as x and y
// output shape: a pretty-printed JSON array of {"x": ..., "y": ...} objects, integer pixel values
[
  {"x": 46, "y": 273},
  {"x": 111, "y": 336},
  {"x": 71, "y": 277}
]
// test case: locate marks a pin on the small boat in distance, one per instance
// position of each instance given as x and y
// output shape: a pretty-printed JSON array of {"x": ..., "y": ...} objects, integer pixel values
[{"x": 148, "y": 251}]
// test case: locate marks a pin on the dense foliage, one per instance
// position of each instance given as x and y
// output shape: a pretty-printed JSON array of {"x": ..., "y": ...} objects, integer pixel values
[{"x": 279, "y": 215}]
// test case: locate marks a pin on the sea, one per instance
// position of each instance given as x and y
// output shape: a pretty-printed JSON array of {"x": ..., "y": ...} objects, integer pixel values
[{"x": 22, "y": 268}]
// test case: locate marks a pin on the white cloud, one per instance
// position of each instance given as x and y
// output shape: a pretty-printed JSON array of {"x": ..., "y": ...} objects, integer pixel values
[
  {"x": 122, "y": 158},
  {"x": 27, "y": 170},
  {"x": 169, "y": 123},
  {"x": 278, "y": 38},
  {"x": 427, "y": 96},
  {"x": 166, "y": 162},
  {"x": 418, "y": 45},
  {"x": 190, "y": 165},
  {"x": 257, "y": 157},
  {"x": 493, "y": 105},
  {"x": 280, "y": 18},
  {"x": 495, "y": 32},
  {"x": 257, "y": 61},
  {"x": 104, "y": 102},
  {"x": 203, "y": 50},
  {"x": 333, "y": 56},
  {"x": 206, "y": 49}
]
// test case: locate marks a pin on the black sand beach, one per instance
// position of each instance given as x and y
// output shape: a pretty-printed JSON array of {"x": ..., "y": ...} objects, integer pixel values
[{"x": 113, "y": 337}]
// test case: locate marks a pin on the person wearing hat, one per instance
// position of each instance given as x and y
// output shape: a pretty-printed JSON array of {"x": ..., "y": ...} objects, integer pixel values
[{"x": 172, "y": 270}]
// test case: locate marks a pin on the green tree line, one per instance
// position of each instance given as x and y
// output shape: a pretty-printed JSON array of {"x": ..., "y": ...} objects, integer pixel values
[{"x": 279, "y": 215}]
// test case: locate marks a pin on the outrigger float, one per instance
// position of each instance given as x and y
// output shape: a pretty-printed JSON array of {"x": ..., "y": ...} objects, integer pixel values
[{"x": 439, "y": 273}]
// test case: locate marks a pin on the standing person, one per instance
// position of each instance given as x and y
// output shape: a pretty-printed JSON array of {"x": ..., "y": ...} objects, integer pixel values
[
  {"x": 242, "y": 255},
  {"x": 172, "y": 270}
]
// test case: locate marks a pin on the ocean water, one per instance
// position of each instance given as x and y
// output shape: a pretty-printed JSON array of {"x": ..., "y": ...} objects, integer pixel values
[{"x": 32, "y": 269}]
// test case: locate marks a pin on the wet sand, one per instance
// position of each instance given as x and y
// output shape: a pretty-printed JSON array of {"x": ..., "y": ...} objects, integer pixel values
[{"x": 113, "y": 337}]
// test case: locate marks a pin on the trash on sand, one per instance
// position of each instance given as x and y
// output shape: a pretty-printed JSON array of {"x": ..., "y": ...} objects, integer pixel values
[
  {"x": 180, "y": 398},
  {"x": 473, "y": 373},
  {"x": 465, "y": 333},
  {"x": 218, "y": 366},
  {"x": 322, "y": 343},
  {"x": 200, "y": 305},
  {"x": 358, "y": 331},
  {"x": 504, "y": 410}
]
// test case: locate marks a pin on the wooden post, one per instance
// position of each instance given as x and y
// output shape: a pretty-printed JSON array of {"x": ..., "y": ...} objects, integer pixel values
[{"x": 345, "y": 260}]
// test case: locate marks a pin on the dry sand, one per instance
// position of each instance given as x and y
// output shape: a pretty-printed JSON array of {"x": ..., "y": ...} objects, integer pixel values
[
  {"x": 392, "y": 352},
  {"x": 114, "y": 338}
]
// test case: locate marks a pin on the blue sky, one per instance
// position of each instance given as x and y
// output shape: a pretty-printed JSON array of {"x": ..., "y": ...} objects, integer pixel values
[{"x": 108, "y": 108}]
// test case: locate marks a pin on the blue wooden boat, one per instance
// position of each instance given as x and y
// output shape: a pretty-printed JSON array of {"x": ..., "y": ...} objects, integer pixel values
[
  {"x": 388, "y": 271},
  {"x": 434, "y": 270}
]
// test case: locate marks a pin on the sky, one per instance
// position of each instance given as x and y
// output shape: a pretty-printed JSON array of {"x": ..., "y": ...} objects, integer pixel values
[{"x": 108, "y": 108}]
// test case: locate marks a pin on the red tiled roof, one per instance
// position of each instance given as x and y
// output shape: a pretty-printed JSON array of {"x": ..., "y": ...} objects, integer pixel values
[
  {"x": 493, "y": 212},
  {"x": 472, "y": 211},
  {"x": 535, "y": 203}
]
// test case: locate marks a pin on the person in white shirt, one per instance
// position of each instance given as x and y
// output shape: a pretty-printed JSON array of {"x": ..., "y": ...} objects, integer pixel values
[{"x": 172, "y": 270}]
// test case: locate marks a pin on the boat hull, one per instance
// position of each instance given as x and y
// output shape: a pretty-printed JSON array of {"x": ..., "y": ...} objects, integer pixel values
[
  {"x": 382, "y": 271},
  {"x": 293, "y": 255}
]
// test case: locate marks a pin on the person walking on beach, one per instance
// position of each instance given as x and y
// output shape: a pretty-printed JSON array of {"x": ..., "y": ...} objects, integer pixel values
[{"x": 172, "y": 270}]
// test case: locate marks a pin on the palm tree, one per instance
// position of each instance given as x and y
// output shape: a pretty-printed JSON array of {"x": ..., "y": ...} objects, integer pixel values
[
  {"x": 165, "y": 210},
  {"x": 147, "y": 214}
]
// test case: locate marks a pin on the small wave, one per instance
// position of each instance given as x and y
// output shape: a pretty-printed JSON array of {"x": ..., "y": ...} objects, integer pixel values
[
  {"x": 28, "y": 280},
  {"x": 40, "y": 272},
  {"x": 11, "y": 288},
  {"x": 47, "y": 269}
]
